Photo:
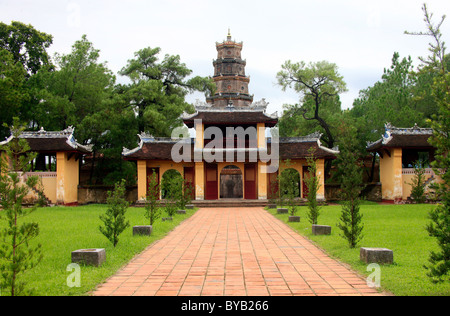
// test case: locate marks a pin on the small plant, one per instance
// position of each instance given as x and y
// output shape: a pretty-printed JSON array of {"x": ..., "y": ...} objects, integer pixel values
[
  {"x": 186, "y": 196},
  {"x": 17, "y": 254},
  {"x": 152, "y": 207},
  {"x": 274, "y": 192},
  {"x": 313, "y": 185},
  {"x": 114, "y": 219},
  {"x": 350, "y": 169},
  {"x": 418, "y": 184},
  {"x": 289, "y": 185}
]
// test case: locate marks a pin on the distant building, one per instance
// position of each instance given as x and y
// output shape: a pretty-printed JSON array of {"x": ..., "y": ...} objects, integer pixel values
[
  {"x": 400, "y": 150},
  {"x": 57, "y": 163},
  {"x": 230, "y": 156}
]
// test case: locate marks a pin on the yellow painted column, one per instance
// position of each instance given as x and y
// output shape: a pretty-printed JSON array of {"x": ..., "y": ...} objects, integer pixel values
[
  {"x": 60, "y": 176},
  {"x": 199, "y": 136},
  {"x": 398, "y": 174},
  {"x": 391, "y": 175},
  {"x": 67, "y": 178},
  {"x": 142, "y": 179},
  {"x": 262, "y": 181},
  {"x": 261, "y": 132},
  {"x": 320, "y": 174},
  {"x": 199, "y": 181}
]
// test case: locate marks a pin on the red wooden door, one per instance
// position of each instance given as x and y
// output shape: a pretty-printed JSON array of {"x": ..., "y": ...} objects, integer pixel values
[
  {"x": 149, "y": 174},
  {"x": 189, "y": 180},
  {"x": 211, "y": 182},
  {"x": 250, "y": 182}
]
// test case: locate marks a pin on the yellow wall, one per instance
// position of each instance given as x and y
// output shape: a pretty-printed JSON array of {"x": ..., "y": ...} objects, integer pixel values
[
  {"x": 298, "y": 165},
  {"x": 321, "y": 176},
  {"x": 199, "y": 181},
  {"x": 261, "y": 132},
  {"x": 142, "y": 179},
  {"x": 262, "y": 181},
  {"x": 67, "y": 178},
  {"x": 391, "y": 176}
]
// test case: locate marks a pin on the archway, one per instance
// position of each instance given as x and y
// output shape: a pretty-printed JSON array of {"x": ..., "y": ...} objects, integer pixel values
[
  {"x": 290, "y": 183},
  {"x": 171, "y": 184},
  {"x": 231, "y": 183}
]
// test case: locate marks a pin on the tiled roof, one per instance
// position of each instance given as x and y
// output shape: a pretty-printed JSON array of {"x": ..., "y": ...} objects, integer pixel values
[
  {"x": 414, "y": 137},
  {"x": 214, "y": 116},
  {"x": 289, "y": 148},
  {"x": 60, "y": 141}
]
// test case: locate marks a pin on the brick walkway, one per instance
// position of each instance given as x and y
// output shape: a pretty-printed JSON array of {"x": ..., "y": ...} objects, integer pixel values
[{"x": 234, "y": 252}]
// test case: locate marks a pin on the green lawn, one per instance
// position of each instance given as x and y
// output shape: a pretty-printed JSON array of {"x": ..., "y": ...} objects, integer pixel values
[
  {"x": 65, "y": 229},
  {"x": 400, "y": 228}
]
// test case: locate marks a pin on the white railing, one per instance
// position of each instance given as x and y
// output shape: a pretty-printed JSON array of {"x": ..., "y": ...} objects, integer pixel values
[
  {"x": 412, "y": 171},
  {"x": 40, "y": 174}
]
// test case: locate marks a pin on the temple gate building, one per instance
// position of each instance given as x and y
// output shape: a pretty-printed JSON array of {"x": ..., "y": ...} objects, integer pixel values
[
  {"x": 57, "y": 164},
  {"x": 231, "y": 156},
  {"x": 400, "y": 151}
]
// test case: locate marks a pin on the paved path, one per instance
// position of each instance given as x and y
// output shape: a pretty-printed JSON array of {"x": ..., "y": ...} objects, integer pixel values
[{"x": 234, "y": 252}]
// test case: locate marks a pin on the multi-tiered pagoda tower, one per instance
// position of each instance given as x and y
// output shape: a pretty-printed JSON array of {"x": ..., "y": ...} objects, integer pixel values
[{"x": 229, "y": 76}]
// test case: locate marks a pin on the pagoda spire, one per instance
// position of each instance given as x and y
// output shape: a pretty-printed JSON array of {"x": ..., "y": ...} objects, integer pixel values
[{"x": 229, "y": 76}]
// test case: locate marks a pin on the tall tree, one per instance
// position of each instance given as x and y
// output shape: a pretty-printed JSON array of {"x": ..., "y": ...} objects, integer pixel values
[
  {"x": 75, "y": 90},
  {"x": 17, "y": 254},
  {"x": 387, "y": 101},
  {"x": 13, "y": 91},
  {"x": 317, "y": 83},
  {"x": 23, "y": 52},
  {"x": 350, "y": 169},
  {"x": 26, "y": 44},
  {"x": 439, "y": 227},
  {"x": 158, "y": 89}
]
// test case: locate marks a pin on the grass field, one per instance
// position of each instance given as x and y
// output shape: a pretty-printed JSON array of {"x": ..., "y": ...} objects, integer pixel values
[
  {"x": 65, "y": 229},
  {"x": 397, "y": 227},
  {"x": 400, "y": 228}
]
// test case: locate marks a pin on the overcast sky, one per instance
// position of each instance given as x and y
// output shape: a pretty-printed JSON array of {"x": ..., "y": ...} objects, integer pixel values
[{"x": 359, "y": 36}]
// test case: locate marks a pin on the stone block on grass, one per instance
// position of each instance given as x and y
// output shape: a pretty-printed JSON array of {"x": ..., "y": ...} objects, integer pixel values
[
  {"x": 90, "y": 257},
  {"x": 294, "y": 219},
  {"x": 272, "y": 206},
  {"x": 377, "y": 255},
  {"x": 181, "y": 212},
  {"x": 321, "y": 230},
  {"x": 142, "y": 230},
  {"x": 190, "y": 207},
  {"x": 282, "y": 211}
]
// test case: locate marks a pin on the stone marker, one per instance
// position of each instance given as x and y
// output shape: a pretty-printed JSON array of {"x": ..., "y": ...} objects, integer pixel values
[
  {"x": 142, "y": 230},
  {"x": 282, "y": 211},
  {"x": 181, "y": 212},
  {"x": 167, "y": 219},
  {"x": 294, "y": 219},
  {"x": 92, "y": 257},
  {"x": 272, "y": 206},
  {"x": 376, "y": 255},
  {"x": 321, "y": 230},
  {"x": 189, "y": 207}
]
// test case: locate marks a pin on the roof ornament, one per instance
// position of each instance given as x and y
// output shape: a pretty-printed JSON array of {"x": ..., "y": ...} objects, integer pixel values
[
  {"x": 230, "y": 105},
  {"x": 229, "y": 35}
]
